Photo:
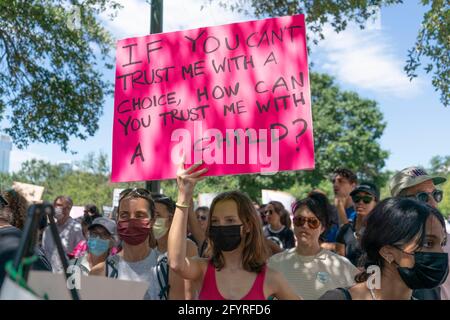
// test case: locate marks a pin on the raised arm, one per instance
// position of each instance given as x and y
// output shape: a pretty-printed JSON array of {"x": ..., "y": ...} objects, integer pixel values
[{"x": 187, "y": 268}]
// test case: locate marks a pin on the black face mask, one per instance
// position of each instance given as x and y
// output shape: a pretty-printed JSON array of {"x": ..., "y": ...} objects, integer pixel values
[
  {"x": 225, "y": 238},
  {"x": 430, "y": 270}
]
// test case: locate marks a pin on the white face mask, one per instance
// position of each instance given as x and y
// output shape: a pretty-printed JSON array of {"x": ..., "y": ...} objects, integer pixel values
[
  {"x": 160, "y": 227},
  {"x": 59, "y": 214}
]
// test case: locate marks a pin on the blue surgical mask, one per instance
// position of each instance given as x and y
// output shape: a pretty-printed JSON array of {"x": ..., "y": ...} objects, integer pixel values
[{"x": 97, "y": 246}]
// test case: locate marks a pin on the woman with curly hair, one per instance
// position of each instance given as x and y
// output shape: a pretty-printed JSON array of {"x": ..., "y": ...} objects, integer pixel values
[
  {"x": 13, "y": 211},
  {"x": 16, "y": 210}
]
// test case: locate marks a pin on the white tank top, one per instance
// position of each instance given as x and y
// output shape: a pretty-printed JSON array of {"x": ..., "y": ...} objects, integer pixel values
[{"x": 143, "y": 271}]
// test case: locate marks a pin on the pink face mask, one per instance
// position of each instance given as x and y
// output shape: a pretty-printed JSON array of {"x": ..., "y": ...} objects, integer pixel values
[{"x": 133, "y": 231}]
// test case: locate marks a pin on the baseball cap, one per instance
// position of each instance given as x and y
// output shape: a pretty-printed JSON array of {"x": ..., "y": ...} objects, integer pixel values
[
  {"x": 410, "y": 177},
  {"x": 106, "y": 223},
  {"x": 367, "y": 187}
]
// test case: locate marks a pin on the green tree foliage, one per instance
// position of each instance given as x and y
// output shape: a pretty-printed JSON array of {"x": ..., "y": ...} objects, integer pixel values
[
  {"x": 87, "y": 182},
  {"x": 432, "y": 41},
  {"x": 51, "y": 53}
]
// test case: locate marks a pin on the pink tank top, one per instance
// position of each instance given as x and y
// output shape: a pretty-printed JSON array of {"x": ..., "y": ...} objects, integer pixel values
[{"x": 210, "y": 291}]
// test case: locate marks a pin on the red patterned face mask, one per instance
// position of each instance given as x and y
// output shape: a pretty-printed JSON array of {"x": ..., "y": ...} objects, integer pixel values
[{"x": 133, "y": 231}]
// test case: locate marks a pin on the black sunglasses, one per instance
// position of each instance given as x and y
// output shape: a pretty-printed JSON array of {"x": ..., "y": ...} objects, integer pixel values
[
  {"x": 268, "y": 212},
  {"x": 202, "y": 218},
  {"x": 366, "y": 199},
  {"x": 425, "y": 196}
]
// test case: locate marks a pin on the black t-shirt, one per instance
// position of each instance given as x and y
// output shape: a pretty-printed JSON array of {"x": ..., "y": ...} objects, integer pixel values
[
  {"x": 284, "y": 238},
  {"x": 9, "y": 244},
  {"x": 346, "y": 236}
]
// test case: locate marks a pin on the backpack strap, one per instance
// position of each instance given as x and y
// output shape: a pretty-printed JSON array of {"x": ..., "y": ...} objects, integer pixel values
[
  {"x": 346, "y": 293},
  {"x": 162, "y": 273},
  {"x": 111, "y": 268}
]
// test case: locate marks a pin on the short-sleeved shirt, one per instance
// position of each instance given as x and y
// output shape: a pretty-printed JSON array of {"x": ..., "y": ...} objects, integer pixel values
[
  {"x": 346, "y": 236},
  {"x": 284, "y": 237},
  {"x": 312, "y": 276},
  {"x": 70, "y": 233}
]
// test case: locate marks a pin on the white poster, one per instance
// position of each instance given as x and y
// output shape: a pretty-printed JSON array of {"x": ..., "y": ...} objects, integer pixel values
[
  {"x": 285, "y": 198},
  {"x": 89, "y": 287},
  {"x": 76, "y": 212},
  {"x": 205, "y": 199},
  {"x": 116, "y": 197}
]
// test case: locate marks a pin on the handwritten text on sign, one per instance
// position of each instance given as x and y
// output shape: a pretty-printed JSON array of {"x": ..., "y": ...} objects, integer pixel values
[{"x": 236, "y": 96}]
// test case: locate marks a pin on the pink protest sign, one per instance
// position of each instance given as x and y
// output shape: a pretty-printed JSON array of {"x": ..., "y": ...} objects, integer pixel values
[{"x": 235, "y": 96}]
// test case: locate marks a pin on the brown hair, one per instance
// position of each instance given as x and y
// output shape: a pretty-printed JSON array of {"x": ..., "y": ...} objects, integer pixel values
[
  {"x": 255, "y": 252},
  {"x": 18, "y": 206},
  {"x": 285, "y": 218}
]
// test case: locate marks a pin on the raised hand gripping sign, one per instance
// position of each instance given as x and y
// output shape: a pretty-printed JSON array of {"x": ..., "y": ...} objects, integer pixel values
[{"x": 235, "y": 96}]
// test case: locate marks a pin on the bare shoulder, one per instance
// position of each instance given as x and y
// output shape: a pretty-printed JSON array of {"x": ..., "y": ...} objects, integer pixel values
[{"x": 98, "y": 270}]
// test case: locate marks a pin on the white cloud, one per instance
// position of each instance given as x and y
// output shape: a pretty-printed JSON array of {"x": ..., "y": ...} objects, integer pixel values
[
  {"x": 17, "y": 157},
  {"x": 365, "y": 59},
  {"x": 134, "y": 18}
]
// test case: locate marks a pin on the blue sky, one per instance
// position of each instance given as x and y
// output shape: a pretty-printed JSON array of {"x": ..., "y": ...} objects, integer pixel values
[{"x": 369, "y": 62}]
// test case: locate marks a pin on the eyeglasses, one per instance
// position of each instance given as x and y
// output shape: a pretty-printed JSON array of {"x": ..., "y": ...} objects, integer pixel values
[
  {"x": 366, "y": 199},
  {"x": 425, "y": 196},
  {"x": 313, "y": 223},
  {"x": 268, "y": 212},
  {"x": 202, "y": 218}
]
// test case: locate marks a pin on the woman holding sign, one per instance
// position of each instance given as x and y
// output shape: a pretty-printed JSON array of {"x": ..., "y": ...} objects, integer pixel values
[{"x": 237, "y": 269}]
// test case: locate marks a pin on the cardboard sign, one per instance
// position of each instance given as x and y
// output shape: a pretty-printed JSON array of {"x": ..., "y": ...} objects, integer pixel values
[
  {"x": 31, "y": 192},
  {"x": 235, "y": 96}
]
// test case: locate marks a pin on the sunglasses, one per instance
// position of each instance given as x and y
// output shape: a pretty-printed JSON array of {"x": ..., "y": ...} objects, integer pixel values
[
  {"x": 313, "y": 223},
  {"x": 425, "y": 196},
  {"x": 140, "y": 191},
  {"x": 268, "y": 212},
  {"x": 202, "y": 218},
  {"x": 366, "y": 199}
]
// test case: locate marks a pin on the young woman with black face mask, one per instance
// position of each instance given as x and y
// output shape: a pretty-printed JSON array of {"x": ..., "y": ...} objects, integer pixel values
[
  {"x": 403, "y": 243},
  {"x": 237, "y": 268}
]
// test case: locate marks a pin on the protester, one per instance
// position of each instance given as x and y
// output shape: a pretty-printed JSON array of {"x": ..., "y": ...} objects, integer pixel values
[
  {"x": 69, "y": 231},
  {"x": 414, "y": 182},
  {"x": 12, "y": 221},
  {"x": 403, "y": 243},
  {"x": 310, "y": 269},
  {"x": 278, "y": 228},
  {"x": 100, "y": 240},
  {"x": 262, "y": 214},
  {"x": 328, "y": 238},
  {"x": 344, "y": 181},
  {"x": 137, "y": 261},
  {"x": 365, "y": 196},
  {"x": 202, "y": 214},
  {"x": 237, "y": 269},
  {"x": 176, "y": 287},
  {"x": 81, "y": 247}
]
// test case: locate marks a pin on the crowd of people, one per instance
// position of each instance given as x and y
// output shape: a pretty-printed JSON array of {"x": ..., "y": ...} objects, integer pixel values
[{"x": 356, "y": 247}]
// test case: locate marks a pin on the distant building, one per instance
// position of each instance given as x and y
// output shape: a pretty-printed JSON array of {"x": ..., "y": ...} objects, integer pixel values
[
  {"x": 5, "y": 152},
  {"x": 66, "y": 166}
]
